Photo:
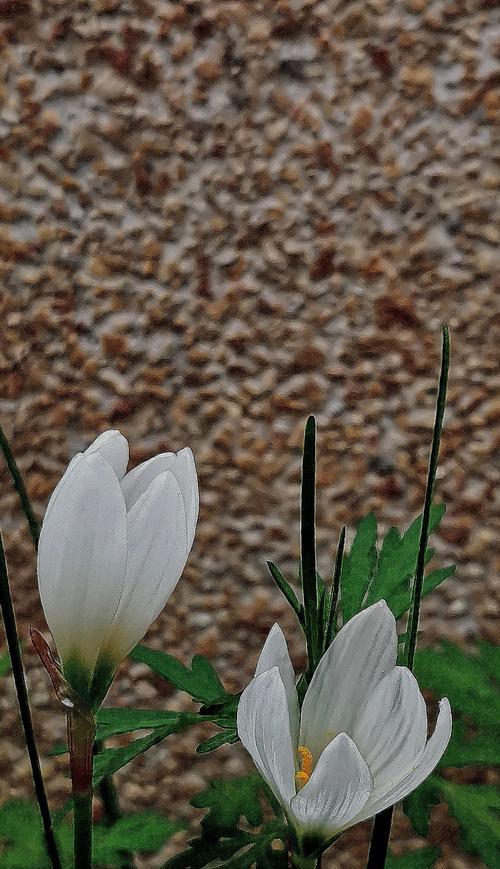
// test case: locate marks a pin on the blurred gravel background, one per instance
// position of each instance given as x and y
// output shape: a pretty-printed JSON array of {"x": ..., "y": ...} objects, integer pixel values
[{"x": 215, "y": 218}]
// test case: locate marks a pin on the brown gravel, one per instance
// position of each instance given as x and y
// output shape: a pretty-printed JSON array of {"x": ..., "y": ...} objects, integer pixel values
[{"x": 215, "y": 218}]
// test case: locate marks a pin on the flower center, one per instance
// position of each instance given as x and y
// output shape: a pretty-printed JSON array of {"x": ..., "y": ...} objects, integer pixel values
[{"x": 306, "y": 765}]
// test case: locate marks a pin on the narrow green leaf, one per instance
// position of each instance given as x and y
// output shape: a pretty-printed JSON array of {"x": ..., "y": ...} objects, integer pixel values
[
  {"x": 201, "y": 682},
  {"x": 308, "y": 542},
  {"x": 207, "y": 850},
  {"x": 417, "y": 806},
  {"x": 358, "y": 566},
  {"x": 333, "y": 601},
  {"x": 287, "y": 590}
]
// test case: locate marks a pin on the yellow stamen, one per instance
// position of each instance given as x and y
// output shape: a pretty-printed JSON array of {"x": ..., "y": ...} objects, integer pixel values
[{"x": 305, "y": 766}]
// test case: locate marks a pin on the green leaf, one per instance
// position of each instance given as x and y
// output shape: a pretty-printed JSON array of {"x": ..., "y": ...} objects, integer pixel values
[
  {"x": 489, "y": 656},
  {"x": 287, "y": 590},
  {"x": 112, "y": 721},
  {"x": 201, "y": 682},
  {"x": 110, "y": 760},
  {"x": 399, "y": 601},
  {"x": 424, "y": 858},
  {"x": 144, "y": 832},
  {"x": 398, "y": 555},
  {"x": 447, "y": 671},
  {"x": 227, "y": 736},
  {"x": 358, "y": 566},
  {"x": 4, "y": 664},
  {"x": 21, "y": 837},
  {"x": 477, "y": 810},
  {"x": 206, "y": 850},
  {"x": 229, "y": 800},
  {"x": 417, "y": 806},
  {"x": 466, "y": 750}
]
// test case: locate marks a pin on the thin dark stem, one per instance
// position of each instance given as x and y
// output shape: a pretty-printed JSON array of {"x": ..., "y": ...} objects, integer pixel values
[
  {"x": 308, "y": 542},
  {"x": 431, "y": 478},
  {"x": 379, "y": 844},
  {"x": 24, "y": 707},
  {"x": 20, "y": 487},
  {"x": 332, "y": 615},
  {"x": 382, "y": 825}
]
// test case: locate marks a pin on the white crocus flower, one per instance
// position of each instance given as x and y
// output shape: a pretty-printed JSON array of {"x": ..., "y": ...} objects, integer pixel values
[
  {"x": 358, "y": 745},
  {"x": 112, "y": 548}
]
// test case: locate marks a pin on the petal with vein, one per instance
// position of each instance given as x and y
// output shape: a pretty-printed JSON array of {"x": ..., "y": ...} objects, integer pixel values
[
  {"x": 338, "y": 788},
  {"x": 391, "y": 730},
  {"x": 157, "y": 553},
  {"x": 264, "y": 729},
  {"x": 362, "y": 653},
  {"x": 82, "y": 558},
  {"x": 430, "y": 757},
  {"x": 275, "y": 654}
]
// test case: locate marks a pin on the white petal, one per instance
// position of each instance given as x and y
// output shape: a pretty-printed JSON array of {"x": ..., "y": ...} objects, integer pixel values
[
  {"x": 185, "y": 473},
  {"x": 391, "y": 730},
  {"x": 157, "y": 553},
  {"x": 275, "y": 654},
  {"x": 430, "y": 757},
  {"x": 362, "y": 653},
  {"x": 82, "y": 558},
  {"x": 74, "y": 461},
  {"x": 338, "y": 789},
  {"x": 114, "y": 447},
  {"x": 264, "y": 729}
]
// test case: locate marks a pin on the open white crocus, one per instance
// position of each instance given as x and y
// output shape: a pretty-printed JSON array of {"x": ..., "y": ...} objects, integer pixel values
[
  {"x": 112, "y": 548},
  {"x": 358, "y": 745}
]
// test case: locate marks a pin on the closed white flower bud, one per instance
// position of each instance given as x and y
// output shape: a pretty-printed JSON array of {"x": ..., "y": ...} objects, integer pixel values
[
  {"x": 112, "y": 548},
  {"x": 359, "y": 743}
]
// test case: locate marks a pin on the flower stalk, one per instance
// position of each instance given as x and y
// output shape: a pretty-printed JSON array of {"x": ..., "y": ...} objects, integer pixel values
[
  {"x": 382, "y": 825},
  {"x": 81, "y": 735}
]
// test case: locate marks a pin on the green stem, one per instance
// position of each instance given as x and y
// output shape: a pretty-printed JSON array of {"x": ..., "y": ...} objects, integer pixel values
[
  {"x": 431, "y": 478},
  {"x": 20, "y": 487},
  {"x": 24, "y": 707},
  {"x": 382, "y": 825},
  {"x": 112, "y": 810},
  {"x": 81, "y": 734},
  {"x": 308, "y": 543}
]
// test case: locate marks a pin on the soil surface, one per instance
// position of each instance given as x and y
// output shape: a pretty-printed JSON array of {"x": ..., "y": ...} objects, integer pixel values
[{"x": 215, "y": 218}]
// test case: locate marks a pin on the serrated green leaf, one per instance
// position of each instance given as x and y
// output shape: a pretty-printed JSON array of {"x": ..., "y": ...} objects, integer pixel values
[
  {"x": 417, "y": 806},
  {"x": 110, "y": 760},
  {"x": 358, "y": 566},
  {"x": 448, "y": 671},
  {"x": 216, "y": 741},
  {"x": 229, "y": 800},
  {"x": 465, "y": 749},
  {"x": 143, "y": 832},
  {"x": 399, "y": 601},
  {"x": 397, "y": 558},
  {"x": 477, "y": 810},
  {"x": 113, "y": 721},
  {"x": 205, "y": 850},
  {"x": 21, "y": 837},
  {"x": 424, "y": 858},
  {"x": 201, "y": 682}
]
